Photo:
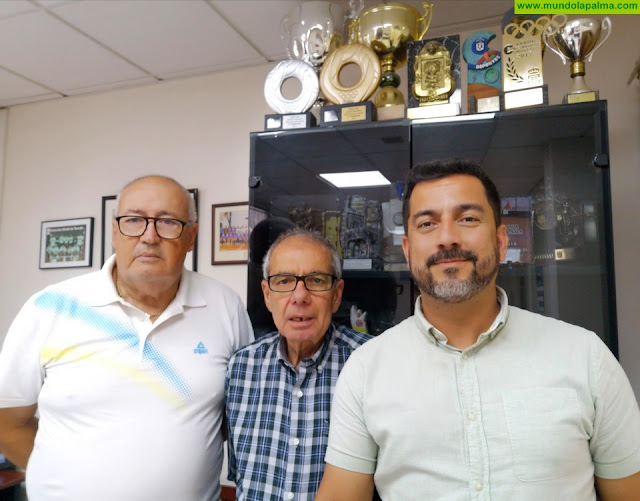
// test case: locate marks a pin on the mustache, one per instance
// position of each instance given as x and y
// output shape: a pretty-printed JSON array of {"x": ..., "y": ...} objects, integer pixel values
[{"x": 448, "y": 254}]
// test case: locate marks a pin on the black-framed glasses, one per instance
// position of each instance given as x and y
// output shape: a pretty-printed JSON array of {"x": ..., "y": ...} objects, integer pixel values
[
  {"x": 166, "y": 227},
  {"x": 314, "y": 282}
]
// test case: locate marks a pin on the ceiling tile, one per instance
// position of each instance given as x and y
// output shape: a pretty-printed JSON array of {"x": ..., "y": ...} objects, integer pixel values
[
  {"x": 10, "y": 8},
  {"x": 47, "y": 51},
  {"x": 163, "y": 37},
  {"x": 260, "y": 22},
  {"x": 14, "y": 89}
]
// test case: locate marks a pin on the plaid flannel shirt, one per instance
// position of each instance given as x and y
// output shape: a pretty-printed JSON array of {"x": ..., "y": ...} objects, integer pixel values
[{"x": 278, "y": 418}]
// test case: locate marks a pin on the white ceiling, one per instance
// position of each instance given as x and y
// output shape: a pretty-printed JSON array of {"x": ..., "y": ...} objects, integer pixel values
[{"x": 56, "y": 48}]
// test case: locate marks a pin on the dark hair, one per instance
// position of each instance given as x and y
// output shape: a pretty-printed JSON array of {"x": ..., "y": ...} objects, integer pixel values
[{"x": 439, "y": 169}]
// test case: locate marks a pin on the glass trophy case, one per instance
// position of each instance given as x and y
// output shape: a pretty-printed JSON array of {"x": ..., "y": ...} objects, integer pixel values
[{"x": 549, "y": 163}]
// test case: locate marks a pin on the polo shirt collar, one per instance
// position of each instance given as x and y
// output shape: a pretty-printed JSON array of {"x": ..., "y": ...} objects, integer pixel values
[
  {"x": 105, "y": 291},
  {"x": 436, "y": 337}
]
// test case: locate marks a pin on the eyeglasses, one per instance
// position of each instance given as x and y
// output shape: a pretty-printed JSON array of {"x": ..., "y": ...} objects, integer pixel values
[
  {"x": 166, "y": 227},
  {"x": 314, "y": 282}
]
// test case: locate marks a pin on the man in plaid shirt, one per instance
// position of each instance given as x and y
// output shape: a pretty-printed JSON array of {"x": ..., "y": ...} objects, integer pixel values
[{"x": 278, "y": 389}]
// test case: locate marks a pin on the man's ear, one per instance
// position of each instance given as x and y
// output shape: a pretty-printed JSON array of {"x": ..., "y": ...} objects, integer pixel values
[
  {"x": 266, "y": 292},
  {"x": 192, "y": 236},
  {"x": 503, "y": 241},
  {"x": 337, "y": 295}
]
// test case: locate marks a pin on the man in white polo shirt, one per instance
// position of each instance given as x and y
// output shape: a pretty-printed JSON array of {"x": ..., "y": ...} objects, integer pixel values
[
  {"x": 470, "y": 398},
  {"x": 125, "y": 365}
]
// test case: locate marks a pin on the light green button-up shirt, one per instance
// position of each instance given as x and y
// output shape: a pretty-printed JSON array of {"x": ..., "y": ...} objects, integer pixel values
[{"x": 531, "y": 411}]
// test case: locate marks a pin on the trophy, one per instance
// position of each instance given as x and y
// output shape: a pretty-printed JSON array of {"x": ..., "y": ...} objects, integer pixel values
[
  {"x": 310, "y": 31},
  {"x": 434, "y": 77},
  {"x": 483, "y": 72},
  {"x": 576, "y": 41},
  {"x": 351, "y": 105},
  {"x": 522, "y": 79},
  {"x": 387, "y": 29}
]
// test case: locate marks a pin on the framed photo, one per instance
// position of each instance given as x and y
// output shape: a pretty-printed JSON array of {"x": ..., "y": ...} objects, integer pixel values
[
  {"x": 230, "y": 233},
  {"x": 109, "y": 207},
  {"x": 67, "y": 243}
]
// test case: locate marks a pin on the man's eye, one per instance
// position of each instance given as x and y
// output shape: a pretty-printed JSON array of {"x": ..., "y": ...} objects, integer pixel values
[
  {"x": 134, "y": 220},
  {"x": 469, "y": 219},
  {"x": 425, "y": 224},
  {"x": 284, "y": 280},
  {"x": 170, "y": 223}
]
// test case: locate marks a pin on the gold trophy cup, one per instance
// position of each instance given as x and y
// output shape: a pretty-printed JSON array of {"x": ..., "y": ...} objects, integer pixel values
[
  {"x": 576, "y": 42},
  {"x": 387, "y": 29}
]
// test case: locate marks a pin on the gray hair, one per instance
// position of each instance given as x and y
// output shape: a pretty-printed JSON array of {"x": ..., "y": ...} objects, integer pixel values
[
  {"x": 193, "y": 214},
  {"x": 315, "y": 237}
]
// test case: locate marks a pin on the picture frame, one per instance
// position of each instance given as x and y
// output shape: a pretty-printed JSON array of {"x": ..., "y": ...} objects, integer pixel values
[
  {"x": 109, "y": 207},
  {"x": 230, "y": 233},
  {"x": 66, "y": 243}
]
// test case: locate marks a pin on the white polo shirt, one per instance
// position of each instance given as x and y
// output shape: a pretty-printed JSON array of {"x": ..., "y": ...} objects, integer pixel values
[
  {"x": 129, "y": 409},
  {"x": 530, "y": 412}
]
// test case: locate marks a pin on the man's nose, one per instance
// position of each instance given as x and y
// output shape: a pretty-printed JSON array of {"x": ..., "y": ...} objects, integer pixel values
[
  {"x": 448, "y": 234},
  {"x": 150, "y": 234},
  {"x": 300, "y": 293}
]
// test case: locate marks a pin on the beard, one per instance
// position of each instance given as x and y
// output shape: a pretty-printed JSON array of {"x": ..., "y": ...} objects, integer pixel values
[{"x": 452, "y": 289}]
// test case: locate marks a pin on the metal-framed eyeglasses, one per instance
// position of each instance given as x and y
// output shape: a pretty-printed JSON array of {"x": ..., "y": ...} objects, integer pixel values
[
  {"x": 314, "y": 282},
  {"x": 166, "y": 227}
]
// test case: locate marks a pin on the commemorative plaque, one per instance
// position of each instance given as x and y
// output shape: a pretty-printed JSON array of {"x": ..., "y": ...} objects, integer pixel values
[
  {"x": 522, "y": 77},
  {"x": 483, "y": 72},
  {"x": 434, "y": 77}
]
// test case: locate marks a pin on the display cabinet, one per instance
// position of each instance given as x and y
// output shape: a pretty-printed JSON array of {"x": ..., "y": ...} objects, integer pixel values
[{"x": 549, "y": 163}]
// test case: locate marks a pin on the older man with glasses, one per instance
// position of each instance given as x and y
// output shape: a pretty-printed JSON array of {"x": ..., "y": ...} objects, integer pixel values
[
  {"x": 278, "y": 389},
  {"x": 126, "y": 366}
]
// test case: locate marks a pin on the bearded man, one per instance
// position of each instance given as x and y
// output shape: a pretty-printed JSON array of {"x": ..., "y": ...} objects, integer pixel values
[{"x": 471, "y": 398}]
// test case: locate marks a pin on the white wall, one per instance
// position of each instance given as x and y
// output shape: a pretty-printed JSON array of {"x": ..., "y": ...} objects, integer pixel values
[{"x": 62, "y": 156}]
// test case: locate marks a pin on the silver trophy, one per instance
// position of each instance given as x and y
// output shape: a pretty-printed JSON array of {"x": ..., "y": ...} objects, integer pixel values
[
  {"x": 576, "y": 42},
  {"x": 311, "y": 31}
]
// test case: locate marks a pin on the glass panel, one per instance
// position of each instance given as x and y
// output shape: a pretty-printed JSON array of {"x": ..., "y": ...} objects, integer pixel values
[
  {"x": 555, "y": 201},
  {"x": 363, "y": 223}
]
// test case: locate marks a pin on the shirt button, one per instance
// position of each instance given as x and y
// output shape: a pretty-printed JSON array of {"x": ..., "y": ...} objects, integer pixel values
[
  {"x": 295, "y": 441},
  {"x": 479, "y": 486},
  {"x": 319, "y": 370},
  {"x": 289, "y": 495},
  {"x": 471, "y": 416},
  {"x": 464, "y": 356},
  {"x": 299, "y": 394}
]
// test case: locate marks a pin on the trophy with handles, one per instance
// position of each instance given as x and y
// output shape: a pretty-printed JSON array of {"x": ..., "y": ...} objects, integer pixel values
[{"x": 575, "y": 43}]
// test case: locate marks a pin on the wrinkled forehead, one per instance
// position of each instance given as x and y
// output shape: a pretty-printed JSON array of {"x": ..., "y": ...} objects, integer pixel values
[
  {"x": 300, "y": 253},
  {"x": 152, "y": 196}
]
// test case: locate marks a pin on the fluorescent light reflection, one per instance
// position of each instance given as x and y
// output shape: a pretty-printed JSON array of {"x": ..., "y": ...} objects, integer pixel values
[{"x": 356, "y": 179}]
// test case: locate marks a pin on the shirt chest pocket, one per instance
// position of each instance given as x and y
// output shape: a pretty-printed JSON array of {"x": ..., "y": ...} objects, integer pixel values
[{"x": 545, "y": 429}]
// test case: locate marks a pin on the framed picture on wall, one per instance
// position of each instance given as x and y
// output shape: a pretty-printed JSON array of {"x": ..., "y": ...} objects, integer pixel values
[
  {"x": 109, "y": 206},
  {"x": 66, "y": 243},
  {"x": 230, "y": 233}
]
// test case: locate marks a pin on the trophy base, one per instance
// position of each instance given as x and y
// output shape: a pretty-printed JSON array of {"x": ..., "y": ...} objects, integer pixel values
[
  {"x": 434, "y": 111},
  {"x": 289, "y": 121},
  {"x": 484, "y": 104},
  {"x": 393, "y": 112},
  {"x": 533, "y": 96},
  {"x": 347, "y": 114},
  {"x": 581, "y": 97}
]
